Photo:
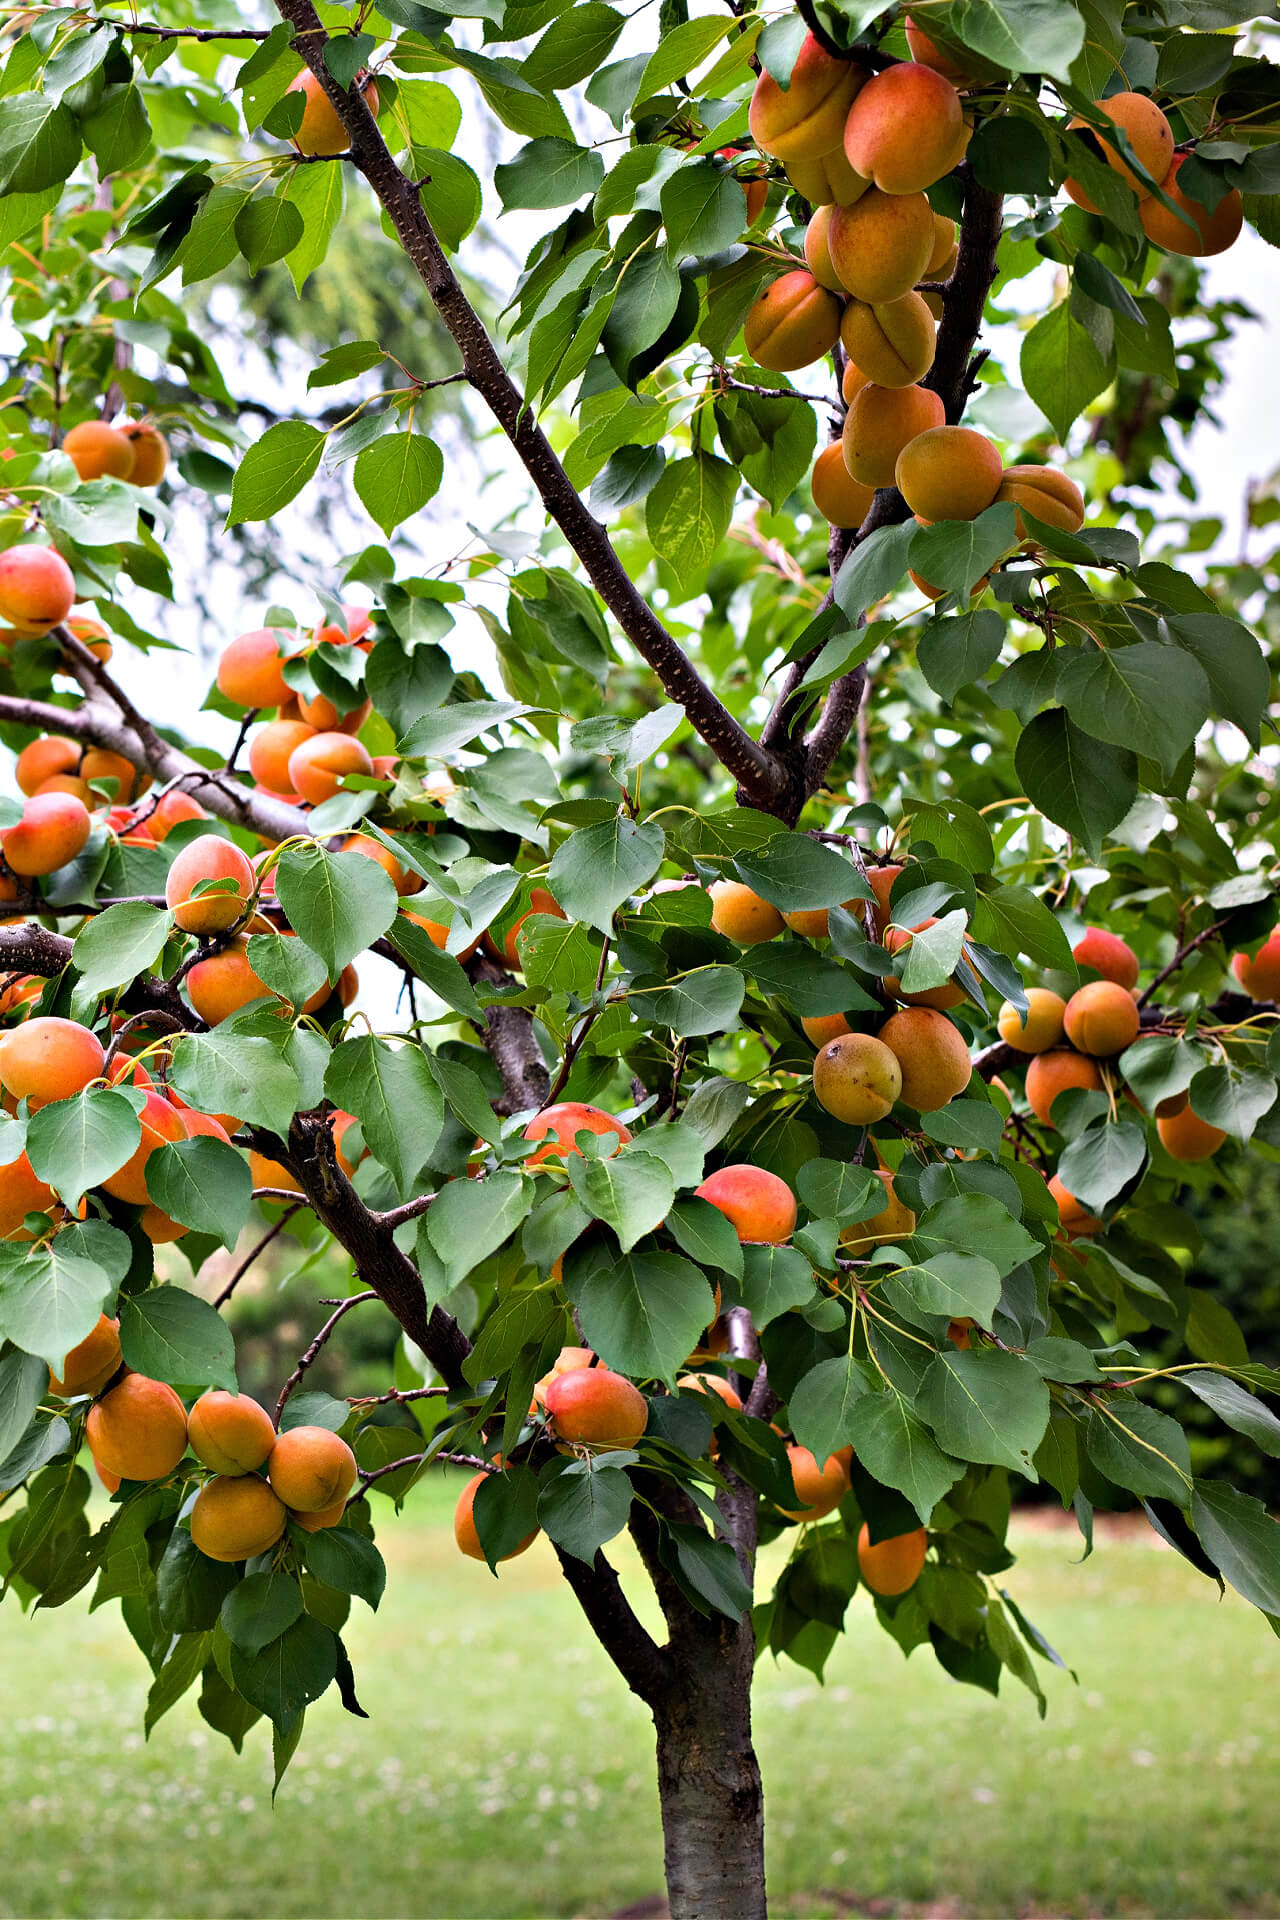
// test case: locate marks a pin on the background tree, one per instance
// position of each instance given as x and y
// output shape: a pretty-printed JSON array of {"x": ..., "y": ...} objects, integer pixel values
[{"x": 818, "y": 1002}]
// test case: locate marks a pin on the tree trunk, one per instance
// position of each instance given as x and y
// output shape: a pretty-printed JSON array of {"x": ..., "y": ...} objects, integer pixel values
[{"x": 709, "y": 1777}]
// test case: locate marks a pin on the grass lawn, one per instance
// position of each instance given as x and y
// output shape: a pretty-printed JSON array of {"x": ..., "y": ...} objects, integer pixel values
[{"x": 505, "y": 1771}]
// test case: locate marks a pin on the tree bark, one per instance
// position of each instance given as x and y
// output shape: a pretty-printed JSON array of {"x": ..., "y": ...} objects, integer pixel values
[{"x": 709, "y": 1778}]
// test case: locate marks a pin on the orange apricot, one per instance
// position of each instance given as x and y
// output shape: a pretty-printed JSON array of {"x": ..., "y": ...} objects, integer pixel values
[
  {"x": 99, "y": 764},
  {"x": 945, "y": 249},
  {"x": 540, "y": 901},
  {"x": 843, "y": 501},
  {"x": 1259, "y": 974},
  {"x": 72, "y": 784},
  {"x": 906, "y": 128},
  {"x": 1055, "y": 1072},
  {"x": 1200, "y": 233},
  {"x": 270, "y": 749},
  {"x": 402, "y": 878},
  {"x": 209, "y": 858},
  {"x": 321, "y": 129},
  {"x": 229, "y": 1432},
  {"x": 805, "y": 119},
  {"x": 464, "y": 1525},
  {"x": 1051, "y": 496},
  {"x": 318, "y": 766},
  {"x": 251, "y": 670},
  {"x": 819, "y": 1490},
  {"x": 53, "y": 829},
  {"x": 568, "y": 1360},
  {"x": 816, "y": 252},
  {"x": 894, "y": 1222},
  {"x": 857, "y": 1078},
  {"x": 37, "y": 589},
  {"x": 170, "y": 810},
  {"x": 708, "y": 1383},
  {"x": 1101, "y": 1018},
  {"x": 138, "y": 1429},
  {"x": 1106, "y": 954},
  {"x": 559, "y": 1126},
  {"x": 1185, "y": 1136},
  {"x": 1150, "y": 138},
  {"x": 821, "y": 1027},
  {"x": 222, "y": 984},
  {"x": 319, "y": 712},
  {"x": 880, "y": 423},
  {"x": 1074, "y": 1216},
  {"x": 949, "y": 473},
  {"x": 49, "y": 1059},
  {"x": 741, "y": 915},
  {"x": 828, "y": 180},
  {"x": 271, "y": 1173},
  {"x": 91, "y": 633},
  {"x": 793, "y": 323},
  {"x": 97, "y": 450},
  {"x": 319, "y": 1522},
  {"x": 880, "y": 246},
  {"x": 310, "y": 1468},
  {"x": 759, "y": 1206},
  {"x": 880, "y": 880},
  {"x": 928, "y": 53},
  {"x": 932, "y": 1055},
  {"x": 235, "y": 1517},
  {"x": 161, "y": 1122},
  {"x": 891, "y": 1566},
  {"x": 891, "y": 342},
  {"x": 21, "y": 1193},
  {"x": 1036, "y": 1030},
  {"x": 896, "y": 940},
  {"x": 44, "y": 759},
  {"x": 591, "y": 1406},
  {"x": 90, "y": 1364},
  {"x": 150, "y": 452}
]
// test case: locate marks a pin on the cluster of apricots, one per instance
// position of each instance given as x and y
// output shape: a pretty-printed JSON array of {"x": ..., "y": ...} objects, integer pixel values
[
  {"x": 132, "y": 450},
  {"x": 138, "y": 1430},
  {"x": 864, "y": 150}
]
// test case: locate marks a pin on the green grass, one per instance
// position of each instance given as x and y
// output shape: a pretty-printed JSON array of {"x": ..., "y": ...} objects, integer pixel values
[{"x": 505, "y": 1771}]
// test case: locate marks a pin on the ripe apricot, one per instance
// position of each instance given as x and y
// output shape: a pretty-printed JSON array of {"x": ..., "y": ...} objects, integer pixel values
[
  {"x": 566, "y": 1361},
  {"x": 318, "y": 766},
  {"x": 945, "y": 249},
  {"x": 402, "y": 878},
  {"x": 320, "y": 712},
  {"x": 229, "y": 1432},
  {"x": 891, "y": 1566},
  {"x": 741, "y": 915},
  {"x": 21, "y": 1193},
  {"x": 161, "y": 1122},
  {"x": 540, "y": 901},
  {"x": 949, "y": 473},
  {"x": 806, "y": 119},
  {"x": 1106, "y": 954},
  {"x": 880, "y": 423},
  {"x": 37, "y": 589},
  {"x": 438, "y": 933},
  {"x": 857, "y": 1078},
  {"x": 91, "y": 633},
  {"x": 464, "y": 1525},
  {"x": 222, "y": 984},
  {"x": 816, "y": 252},
  {"x": 892, "y": 342},
  {"x": 53, "y": 829},
  {"x": 319, "y": 1522},
  {"x": 1201, "y": 233},
  {"x": 843, "y": 501},
  {"x": 906, "y": 128},
  {"x": 1185, "y": 1136},
  {"x": 251, "y": 669},
  {"x": 821, "y": 1027},
  {"x": 88, "y": 1366},
  {"x": 310, "y": 1468},
  {"x": 827, "y": 181},
  {"x": 48, "y": 1059},
  {"x": 760, "y": 1207},
  {"x": 1075, "y": 1218},
  {"x": 43, "y": 759},
  {"x": 1101, "y": 1018},
  {"x": 592, "y": 1406},
  {"x": 138, "y": 1430},
  {"x": 897, "y": 940},
  {"x": 72, "y": 784},
  {"x": 563, "y": 1122},
  {"x": 931, "y": 1054},
  {"x": 818, "y": 1491},
  {"x": 792, "y": 323},
  {"x": 271, "y": 1173},
  {"x": 712, "y": 1383},
  {"x": 1259, "y": 975},
  {"x": 170, "y": 810},
  {"x": 235, "y": 1518},
  {"x": 1051, "y": 496},
  {"x": 1036, "y": 1030},
  {"x": 270, "y": 749},
  {"x": 99, "y": 764},
  {"x": 1052, "y": 1073},
  {"x": 97, "y": 450},
  {"x": 928, "y": 53},
  {"x": 1150, "y": 137},
  {"x": 321, "y": 129},
  {"x": 880, "y": 246},
  {"x": 880, "y": 880},
  {"x": 894, "y": 1222},
  {"x": 150, "y": 452},
  {"x": 209, "y": 858}
]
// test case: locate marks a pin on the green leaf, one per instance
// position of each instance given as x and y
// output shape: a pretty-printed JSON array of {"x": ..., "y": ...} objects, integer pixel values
[
  {"x": 955, "y": 554},
  {"x": 120, "y": 943},
  {"x": 470, "y": 1219},
  {"x": 821, "y": 1407},
  {"x": 170, "y": 1334},
  {"x": 118, "y": 131},
  {"x": 874, "y": 568},
  {"x": 439, "y": 734},
  {"x": 705, "y": 1001},
  {"x": 1146, "y": 693},
  {"x": 1233, "y": 664},
  {"x": 505, "y": 1512},
  {"x": 287, "y": 966},
  {"x": 774, "y": 1279},
  {"x": 347, "y": 1561},
  {"x": 1101, "y": 1161},
  {"x": 954, "y": 652},
  {"x": 688, "y": 512},
  {"x": 958, "y": 1285},
  {"x": 710, "y": 1568},
  {"x": 259, "y": 1609},
  {"x": 267, "y": 229},
  {"x": 39, "y": 143},
  {"x": 702, "y": 209},
  {"x": 275, "y": 470},
  {"x": 24, "y": 1381},
  {"x": 451, "y": 197},
  {"x": 1023, "y": 36},
  {"x": 190, "y": 1589},
  {"x": 643, "y": 1314},
  {"x": 1139, "y": 1449},
  {"x": 548, "y": 173},
  {"x": 987, "y": 1406},
  {"x": 793, "y": 872},
  {"x": 1241, "y": 1539},
  {"x": 319, "y": 194},
  {"x": 523, "y": 108},
  {"x": 292, "y": 1670},
  {"x": 238, "y": 1073},
  {"x": 203, "y": 1183},
  {"x": 584, "y": 1505},
  {"x": 1062, "y": 369},
  {"x": 574, "y": 46},
  {"x": 440, "y": 971},
  {"x": 51, "y": 1294},
  {"x": 339, "y": 903},
  {"x": 393, "y": 1094},
  {"x": 211, "y": 243},
  {"x": 1233, "y": 1098},
  {"x": 899, "y": 1452},
  {"x": 706, "y": 1235},
  {"x": 683, "y": 49},
  {"x": 977, "y": 1223},
  {"x": 396, "y": 477},
  {"x": 599, "y": 867},
  {"x": 1073, "y": 779},
  {"x": 74, "y": 1144},
  {"x": 631, "y": 1192},
  {"x": 1015, "y": 921},
  {"x": 1230, "y": 1401}
]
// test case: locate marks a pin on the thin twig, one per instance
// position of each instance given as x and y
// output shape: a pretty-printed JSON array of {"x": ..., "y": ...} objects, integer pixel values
[
  {"x": 256, "y": 1251},
  {"x": 313, "y": 1351}
]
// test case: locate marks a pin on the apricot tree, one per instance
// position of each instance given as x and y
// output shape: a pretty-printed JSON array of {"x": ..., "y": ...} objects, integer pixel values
[{"x": 826, "y": 963}]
